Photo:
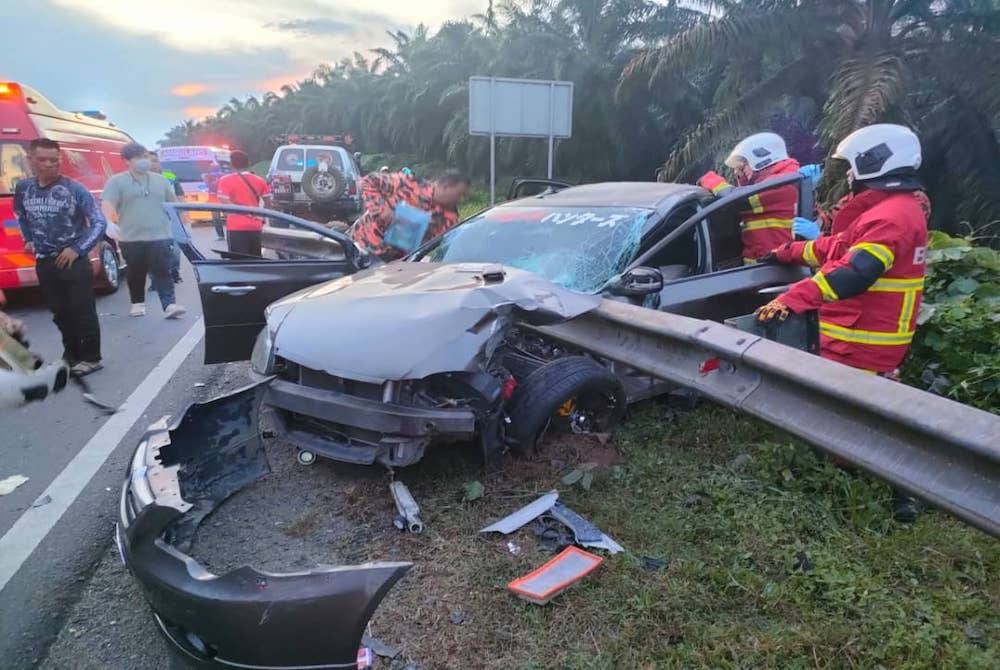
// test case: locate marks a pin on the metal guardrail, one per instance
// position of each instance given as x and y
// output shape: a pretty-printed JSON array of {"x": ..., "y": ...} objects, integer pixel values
[{"x": 937, "y": 449}]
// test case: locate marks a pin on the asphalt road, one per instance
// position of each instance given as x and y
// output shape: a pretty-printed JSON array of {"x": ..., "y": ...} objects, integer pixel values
[{"x": 48, "y": 441}]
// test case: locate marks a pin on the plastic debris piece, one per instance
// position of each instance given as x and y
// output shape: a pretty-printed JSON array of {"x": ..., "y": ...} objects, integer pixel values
[
  {"x": 10, "y": 483},
  {"x": 526, "y": 514},
  {"x": 380, "y": 648},
  {"x": 42, "y": 501},
  {"x": 513, "y": 547},
  {"x": 545, "y": 583},
  {"x": 584, "y": 532},
  {"x": 366, "y": 659}
]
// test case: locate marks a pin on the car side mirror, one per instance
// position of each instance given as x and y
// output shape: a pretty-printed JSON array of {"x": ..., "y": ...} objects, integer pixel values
[{"x": 637, "y": 282}]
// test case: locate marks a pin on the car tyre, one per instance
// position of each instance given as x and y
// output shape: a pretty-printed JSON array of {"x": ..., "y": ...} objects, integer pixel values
[
  {"x": 575, "y": 394},
  {"x": 110, "y": 275},
  {"x": 324, "y": 187}
]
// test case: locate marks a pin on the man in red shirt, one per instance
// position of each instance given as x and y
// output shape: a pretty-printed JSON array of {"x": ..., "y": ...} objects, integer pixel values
[
  {"x": 402, "y": 212},
  {"x": 243, "y": 188}
]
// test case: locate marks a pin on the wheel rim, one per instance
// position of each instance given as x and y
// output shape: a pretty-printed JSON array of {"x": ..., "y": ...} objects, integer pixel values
[
  {"x": 109, "y": 264},
  {"x": 589, "y": 412},
  {"x": 324, "y": 183}
]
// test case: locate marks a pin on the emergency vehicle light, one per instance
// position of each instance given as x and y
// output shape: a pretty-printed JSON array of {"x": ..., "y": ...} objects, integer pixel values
[{"x": 9, "y": 90}]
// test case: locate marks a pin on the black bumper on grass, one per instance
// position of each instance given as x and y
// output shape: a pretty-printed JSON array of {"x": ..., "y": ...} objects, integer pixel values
[{"x": 245, "y": 618}]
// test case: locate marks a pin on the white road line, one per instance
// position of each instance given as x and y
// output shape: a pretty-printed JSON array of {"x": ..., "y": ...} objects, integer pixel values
[{"x": 31, "y": 528}]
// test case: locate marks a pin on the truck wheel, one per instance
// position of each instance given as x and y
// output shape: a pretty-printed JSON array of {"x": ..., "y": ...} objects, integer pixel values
[
  {"x": 323, "y": 187},
  {"x": 109, "y": 276},
  {"x": 575, "y": 394}
]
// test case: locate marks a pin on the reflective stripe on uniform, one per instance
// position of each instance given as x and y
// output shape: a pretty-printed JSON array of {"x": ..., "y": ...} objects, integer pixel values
[
  {"x": 720, "y": 187},
  {"x": 857, "y": 336},
  {"x": 898, "y": 285},
  {"x": 829, "y": 295},
  {"x": 762, "y": 224},
  {"x": 756, "y": 206},
  {"x": 809, "y": 254},
  {"x": 906, "y": 314},
  {"x": 880, "y": 251}
]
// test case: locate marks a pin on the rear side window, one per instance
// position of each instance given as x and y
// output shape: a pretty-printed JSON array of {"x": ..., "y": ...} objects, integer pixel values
[
  {"x": 13, "y": 166},
  {"x": 291, "y": 159},
  {"x": 316, "y": 156}
]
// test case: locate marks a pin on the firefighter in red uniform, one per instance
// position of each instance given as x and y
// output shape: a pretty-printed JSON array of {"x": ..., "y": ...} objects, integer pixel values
[
  {"x": 768, "y": 217},
  {"x": 870, "y": 276}
]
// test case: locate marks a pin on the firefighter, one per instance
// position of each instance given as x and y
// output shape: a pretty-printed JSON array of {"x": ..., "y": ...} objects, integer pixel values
[
  {"x": 870, "y": 276},
  {"x": 768, "y": 217}
]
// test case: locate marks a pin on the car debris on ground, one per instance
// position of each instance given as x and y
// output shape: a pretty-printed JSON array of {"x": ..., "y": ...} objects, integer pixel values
[
  {"x": 8, "y": 484},
  {"x": 406, "y": 506},
  {"x": 543, "y": 584}
]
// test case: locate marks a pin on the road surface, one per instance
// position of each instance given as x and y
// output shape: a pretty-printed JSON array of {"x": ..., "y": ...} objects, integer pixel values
[{"x": 56, "y": 526}]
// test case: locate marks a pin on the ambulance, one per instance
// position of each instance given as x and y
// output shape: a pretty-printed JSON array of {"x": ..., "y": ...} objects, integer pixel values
[
  {"x": 91, "y": 152},
  {"x": 197, "y": 170}
]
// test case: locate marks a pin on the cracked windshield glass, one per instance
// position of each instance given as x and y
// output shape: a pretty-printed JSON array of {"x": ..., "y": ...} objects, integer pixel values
[{"x": 579, "y": 248}]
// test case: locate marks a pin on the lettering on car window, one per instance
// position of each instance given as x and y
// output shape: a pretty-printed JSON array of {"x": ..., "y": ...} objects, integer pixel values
[{"x": 580, "y": 218}]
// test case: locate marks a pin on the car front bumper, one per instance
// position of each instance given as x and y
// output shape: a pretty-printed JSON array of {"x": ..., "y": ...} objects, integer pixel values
[
  {"x": 358, "y": 430},
  {"x": 245, "y": 618}
]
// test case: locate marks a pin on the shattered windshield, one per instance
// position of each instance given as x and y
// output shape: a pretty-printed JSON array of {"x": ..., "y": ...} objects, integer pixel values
[{"x": 579, "y": 248}]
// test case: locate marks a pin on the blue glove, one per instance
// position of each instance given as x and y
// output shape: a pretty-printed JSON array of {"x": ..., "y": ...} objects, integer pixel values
[
  {"x": 805, "y": 228},
  {"x": 812, "y": 172}
]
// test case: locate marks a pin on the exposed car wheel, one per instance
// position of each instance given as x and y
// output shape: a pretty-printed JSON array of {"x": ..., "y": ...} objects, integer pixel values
[
  {"x": 305, "y": 457},
  {"x": 325, "y": 186},
  {"x": 575, "y": 394},
  {"x": 109, "y": 276}
]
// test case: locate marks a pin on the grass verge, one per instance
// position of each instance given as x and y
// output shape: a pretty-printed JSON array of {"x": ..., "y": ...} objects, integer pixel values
[{"x": 779, "y": 560}]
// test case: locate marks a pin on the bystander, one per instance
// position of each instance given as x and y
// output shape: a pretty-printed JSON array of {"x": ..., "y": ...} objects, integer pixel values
[{"x": 243, "y": 188}]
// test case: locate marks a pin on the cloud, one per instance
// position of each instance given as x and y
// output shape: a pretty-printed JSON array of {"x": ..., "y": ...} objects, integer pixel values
[
  {"x": 190, "y": 90},
  {"x": 316, "y": 26},
  {"x": 199, "y": 112}
]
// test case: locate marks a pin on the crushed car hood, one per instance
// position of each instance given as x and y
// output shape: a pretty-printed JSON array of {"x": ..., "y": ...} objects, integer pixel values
[{"x": 411, "y": 320}]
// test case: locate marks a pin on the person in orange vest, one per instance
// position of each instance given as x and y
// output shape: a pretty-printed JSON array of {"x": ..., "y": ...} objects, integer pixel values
[
  {"x": 870, "y": 269},
  {"x": 768, "y": 217}
]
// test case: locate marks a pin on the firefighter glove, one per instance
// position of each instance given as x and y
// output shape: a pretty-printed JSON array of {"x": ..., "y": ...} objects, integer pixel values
[
  {"x": 772, "y": 311},
  {"x": 812, "y": 172},
  {"x": 805, "y": 228},
  {"x": 711, "y": 180}
]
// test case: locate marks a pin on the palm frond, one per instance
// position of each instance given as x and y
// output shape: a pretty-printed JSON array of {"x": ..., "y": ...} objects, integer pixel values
[
  {"x": 862, "y": 91},
  {"x": 739, "y": 119}
]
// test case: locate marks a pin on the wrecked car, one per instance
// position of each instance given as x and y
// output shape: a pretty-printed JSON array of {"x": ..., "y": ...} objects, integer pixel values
[
  {"x": 245, "y": 618},
  {"x": 372, "y": 364}
]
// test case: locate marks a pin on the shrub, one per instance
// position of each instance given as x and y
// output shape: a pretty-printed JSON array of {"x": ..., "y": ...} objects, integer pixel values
[{"x": 956, "y": 351}]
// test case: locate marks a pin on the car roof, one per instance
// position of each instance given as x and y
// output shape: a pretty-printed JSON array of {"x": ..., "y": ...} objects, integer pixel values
[
  {"x": 650, "y": 195},
  {"x": 311, "y": 146}
]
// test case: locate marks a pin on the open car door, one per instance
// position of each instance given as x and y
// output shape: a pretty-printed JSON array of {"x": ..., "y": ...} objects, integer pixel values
[{"x": 236, "y": 288}]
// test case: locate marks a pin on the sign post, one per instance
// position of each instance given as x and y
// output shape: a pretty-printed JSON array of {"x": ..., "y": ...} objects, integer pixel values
[{"x": 501, "y": 107}]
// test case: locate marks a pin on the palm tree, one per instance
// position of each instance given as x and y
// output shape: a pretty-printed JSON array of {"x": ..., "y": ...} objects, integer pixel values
[{"x": 863, "y": 61}]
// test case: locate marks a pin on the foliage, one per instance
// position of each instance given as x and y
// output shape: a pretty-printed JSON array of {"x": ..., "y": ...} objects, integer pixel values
[
  {"x": 863, "y": 61},
  {"x": 666, "y": 79},
  {"x": 956, "y": 350}
]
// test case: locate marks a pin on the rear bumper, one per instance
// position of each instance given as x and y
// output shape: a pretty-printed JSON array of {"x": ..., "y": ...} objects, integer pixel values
[
  {"x": 245, "y": 618},
  {"x": 358, "y": 430}
]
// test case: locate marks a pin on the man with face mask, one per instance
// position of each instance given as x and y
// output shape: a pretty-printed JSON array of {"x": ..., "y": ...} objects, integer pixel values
[
  {"x": 767, "y": 217},
  {"x": 135, "y": 198}
]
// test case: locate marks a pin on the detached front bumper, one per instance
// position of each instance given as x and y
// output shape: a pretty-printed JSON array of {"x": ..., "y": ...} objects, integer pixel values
[
  {"x": 359, "y": 430},
  {"x": 245, "y": 618}
]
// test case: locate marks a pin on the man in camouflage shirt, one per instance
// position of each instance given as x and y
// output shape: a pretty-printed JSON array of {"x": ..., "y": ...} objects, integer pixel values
[{"x": 402, "y": 212}]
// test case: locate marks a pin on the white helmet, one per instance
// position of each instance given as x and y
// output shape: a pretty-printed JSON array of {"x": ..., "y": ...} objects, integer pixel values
[
  {"x": 879, "y": 149},
  {"x": 758, "y": 151}
]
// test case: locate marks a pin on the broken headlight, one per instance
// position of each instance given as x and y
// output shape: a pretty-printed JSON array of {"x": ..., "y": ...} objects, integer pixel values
[{"x": 262, "y": 358}]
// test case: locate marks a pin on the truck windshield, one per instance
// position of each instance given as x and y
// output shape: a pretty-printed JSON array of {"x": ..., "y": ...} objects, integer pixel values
[
  {"x": 13, "y": 166},
  {"x": 188, "y": 171},
  {"x": 579, "y": 248}
]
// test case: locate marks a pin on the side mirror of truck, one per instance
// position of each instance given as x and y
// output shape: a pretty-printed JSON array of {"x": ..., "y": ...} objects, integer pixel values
[{"x": 637, "y": 282}]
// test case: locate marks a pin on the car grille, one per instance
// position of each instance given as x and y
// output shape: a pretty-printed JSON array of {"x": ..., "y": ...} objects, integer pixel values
[{"x": 321, "y": 380}]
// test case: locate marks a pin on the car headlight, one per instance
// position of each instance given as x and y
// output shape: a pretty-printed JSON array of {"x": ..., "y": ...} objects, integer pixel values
[{"x": 262, "y": 357}]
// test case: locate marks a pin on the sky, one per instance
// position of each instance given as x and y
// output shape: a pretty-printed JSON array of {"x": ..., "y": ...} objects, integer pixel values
[{"x": 150, "y": 64}]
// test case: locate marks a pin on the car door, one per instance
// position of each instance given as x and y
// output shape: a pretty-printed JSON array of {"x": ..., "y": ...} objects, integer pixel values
[
  {"x": 236, "y": 288},
  {"x": 722, "y": 288}
]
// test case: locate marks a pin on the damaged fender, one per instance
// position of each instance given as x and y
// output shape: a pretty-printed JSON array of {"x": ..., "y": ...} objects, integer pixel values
[{"x": 245, "y": 618}]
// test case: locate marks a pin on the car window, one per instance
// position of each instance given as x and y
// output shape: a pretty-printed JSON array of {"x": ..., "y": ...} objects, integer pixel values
[
  {"x": 13, "y": 166},
  {"x": 281, "y": 237},
  {"x": 191, "y": 171},
  {"x": 682, "y": 252},
  {"x": 579, "y": 248},
  {"x": 329, "y": 156},
  {"x": 291, "y": 159}
]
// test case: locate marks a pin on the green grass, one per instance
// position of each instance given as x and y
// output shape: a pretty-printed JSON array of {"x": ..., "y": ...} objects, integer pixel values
[{"x": 787, "y": 562}]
